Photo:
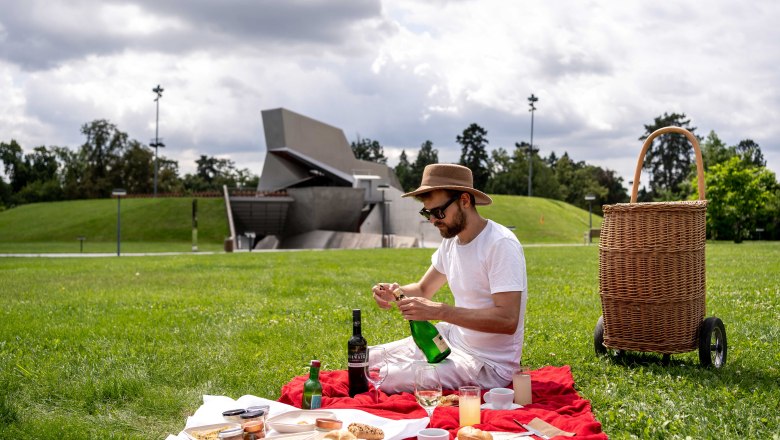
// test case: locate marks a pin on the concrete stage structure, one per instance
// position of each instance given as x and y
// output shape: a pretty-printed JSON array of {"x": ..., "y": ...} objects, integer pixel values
[{"x": 314, "y": 194}]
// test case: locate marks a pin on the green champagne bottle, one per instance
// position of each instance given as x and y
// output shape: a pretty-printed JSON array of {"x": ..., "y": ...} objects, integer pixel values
[
  {"x": 312, "y": 388},
  {"x": 427, "y": 337}
]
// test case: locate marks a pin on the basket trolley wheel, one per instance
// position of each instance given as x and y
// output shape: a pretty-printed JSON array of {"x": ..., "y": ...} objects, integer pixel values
[
  {"x": 598, "y": 341},
  {"x": 712, "y": 343},
  {"x": 598, "y": 337}
]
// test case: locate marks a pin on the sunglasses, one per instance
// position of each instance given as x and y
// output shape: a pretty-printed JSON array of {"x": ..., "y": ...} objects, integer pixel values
[{"x": 438, "y": 212}]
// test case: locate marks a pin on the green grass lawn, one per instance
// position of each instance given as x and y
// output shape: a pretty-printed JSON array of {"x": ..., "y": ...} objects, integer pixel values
[
  {"x": 126, "y": 347},
  {"x": 148, "y": 225},
  {"x": 165, "y": 225}
]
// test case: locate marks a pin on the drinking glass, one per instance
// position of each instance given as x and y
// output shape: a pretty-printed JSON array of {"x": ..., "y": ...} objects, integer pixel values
[
  {"x": 521, "y": 382},
  {"x": 427, "y": 388},
  {"x": 376, "y": 371},
  {"x": 468, "y": 404}
]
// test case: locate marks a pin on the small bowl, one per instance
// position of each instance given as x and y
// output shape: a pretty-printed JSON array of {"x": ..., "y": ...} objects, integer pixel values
[{"x": 324, "y": 424}]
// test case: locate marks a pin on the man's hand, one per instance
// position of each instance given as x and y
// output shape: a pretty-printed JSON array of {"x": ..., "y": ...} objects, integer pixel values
[
  {"x": 417, "y": 308},
  {"x": 383, "y": 294}
]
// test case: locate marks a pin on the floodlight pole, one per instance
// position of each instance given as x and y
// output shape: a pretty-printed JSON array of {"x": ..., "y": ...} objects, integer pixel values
[
  {"x": 118, "y": 193},
  {"x": 158, "y": 90},
  {"x": 531, "y": 100}
]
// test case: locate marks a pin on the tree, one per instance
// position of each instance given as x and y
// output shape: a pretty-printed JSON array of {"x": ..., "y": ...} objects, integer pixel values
[
  {"x": 137, "y": 166},
  {"x": 5, "y": 194},
  {"x": 71, "y": 174},
  {"x": 738, "y": 195},
  {"x": 33, "y": 176},
  {"x": 426, "y": 156},
  {"x": 578, "y": 179},
  {"x": 212, "y": 173},
  {"x": 474, "y": 154},
  {"x": 504, "y": 178},
  {"x": 616, "y": 192},
  {"x": 101, "y": 153},
  {"x": 750, "y": 153},
  {"x": 714, "y": 151},
  {"x": 13, "y": 164},
  {"x": 669, "y": 159},
  {"x": 370, "y": 150},
  {"x": 404, "y": 172}
]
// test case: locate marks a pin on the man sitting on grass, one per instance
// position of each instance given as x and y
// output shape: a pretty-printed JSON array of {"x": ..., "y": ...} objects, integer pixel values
[{"x": 484, "y": 265}]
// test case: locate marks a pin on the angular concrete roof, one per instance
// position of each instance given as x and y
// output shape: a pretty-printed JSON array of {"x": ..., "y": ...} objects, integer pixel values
[{"x": 306, "y": 152}]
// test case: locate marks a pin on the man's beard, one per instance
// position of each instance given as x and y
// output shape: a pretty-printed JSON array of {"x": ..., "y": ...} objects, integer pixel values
[{"x": 459, "y": 224}]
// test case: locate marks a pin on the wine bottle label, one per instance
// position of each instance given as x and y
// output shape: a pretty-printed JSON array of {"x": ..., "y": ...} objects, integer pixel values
[
  {"x": 441, "y": 344},
  {"x": 316, "y": 401},
  {"x": 357, "y": 364}
]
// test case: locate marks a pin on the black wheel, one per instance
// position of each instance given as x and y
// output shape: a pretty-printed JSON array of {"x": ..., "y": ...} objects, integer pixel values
[
  {"x": 598, "y": 337},
  {"x": 712, "y": 343}
]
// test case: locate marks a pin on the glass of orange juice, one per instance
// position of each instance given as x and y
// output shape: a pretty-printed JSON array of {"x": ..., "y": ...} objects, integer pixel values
[{"x": 468, "y": 405}]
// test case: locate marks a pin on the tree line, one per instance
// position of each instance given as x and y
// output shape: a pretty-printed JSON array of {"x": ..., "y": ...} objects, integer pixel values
[
  {"x": 743, "y": 195},
  {"x": 107, "y": 159}
]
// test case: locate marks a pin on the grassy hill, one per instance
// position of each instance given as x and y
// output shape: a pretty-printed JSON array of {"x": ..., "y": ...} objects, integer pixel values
[
  {"x": 151, "y": 225},
  {"x": 538, "y": 220},
  {"x": 164, "y": 224}
]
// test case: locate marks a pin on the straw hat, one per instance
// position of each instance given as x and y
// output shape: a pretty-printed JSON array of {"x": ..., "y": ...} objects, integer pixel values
[{"x": 449, "y": 176}]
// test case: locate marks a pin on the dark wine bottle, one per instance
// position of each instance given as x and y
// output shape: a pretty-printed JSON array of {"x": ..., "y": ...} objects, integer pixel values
[
  {"x": 357, "y": 357},
  {"x": 312, "y": 388},
  {"x": 427, "y": 337}
]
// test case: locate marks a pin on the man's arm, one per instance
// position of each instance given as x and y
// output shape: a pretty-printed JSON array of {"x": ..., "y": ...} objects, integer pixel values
[
  {"x": 503, "y": 317},
  {"x": 430, "y": 282}
]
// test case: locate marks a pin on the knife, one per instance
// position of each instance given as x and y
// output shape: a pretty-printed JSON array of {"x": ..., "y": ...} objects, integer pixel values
[{"x": 536, "y": 432}]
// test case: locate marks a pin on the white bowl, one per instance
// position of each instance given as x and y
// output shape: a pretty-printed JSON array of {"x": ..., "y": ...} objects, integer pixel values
[{"x": 301, "y": 420}]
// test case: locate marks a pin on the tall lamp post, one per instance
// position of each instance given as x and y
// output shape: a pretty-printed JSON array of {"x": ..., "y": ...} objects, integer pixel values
[
  {"x": 118, "y": 193},
  {"x": 590, "y": 198},
  {"x": 382, "y": 187},
  {"x": 531, "y": 100},
  {"x": 157, "y": 143}
]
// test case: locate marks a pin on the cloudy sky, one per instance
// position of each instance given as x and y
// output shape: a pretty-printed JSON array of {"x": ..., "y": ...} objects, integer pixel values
[{"x": 397, "y": 71}]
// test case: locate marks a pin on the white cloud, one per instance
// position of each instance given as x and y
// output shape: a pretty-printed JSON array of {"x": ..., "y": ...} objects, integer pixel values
[{"x": 400, "y": 72}]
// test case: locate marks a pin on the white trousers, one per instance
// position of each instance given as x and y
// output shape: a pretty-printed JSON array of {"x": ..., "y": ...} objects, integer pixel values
[{"x": 459, "y": 369}]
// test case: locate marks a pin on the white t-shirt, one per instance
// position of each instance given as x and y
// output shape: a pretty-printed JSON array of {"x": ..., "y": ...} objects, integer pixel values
[{"x": 491, "y": 263}]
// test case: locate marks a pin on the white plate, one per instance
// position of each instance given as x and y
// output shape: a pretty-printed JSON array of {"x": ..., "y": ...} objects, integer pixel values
[
  {"x": 295, "y": 436},
  {"x": 190, "y": 431},
  {"x": 301, "y": 420},
  {"x": 490, "y": 406}
]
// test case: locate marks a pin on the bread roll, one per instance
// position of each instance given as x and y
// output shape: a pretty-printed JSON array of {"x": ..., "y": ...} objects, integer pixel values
[
  {"x": 340, "y": 434},
  {"x": 448, "y": 400},
  {"x": 368, "y": 432},
  {"x": 471, "y": 433}
]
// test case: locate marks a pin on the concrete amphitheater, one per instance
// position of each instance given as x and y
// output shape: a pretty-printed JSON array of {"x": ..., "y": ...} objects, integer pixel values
[{"x": 314, "y": 194}]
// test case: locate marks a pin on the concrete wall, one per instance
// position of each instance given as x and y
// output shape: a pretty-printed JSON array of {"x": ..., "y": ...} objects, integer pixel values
[
  {"x": 403, "y": 219},
  {"x": 327, "y": 208}
]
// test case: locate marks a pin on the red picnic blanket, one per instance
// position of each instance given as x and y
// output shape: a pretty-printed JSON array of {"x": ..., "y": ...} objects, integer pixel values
[{"x": 555, "y": 401}]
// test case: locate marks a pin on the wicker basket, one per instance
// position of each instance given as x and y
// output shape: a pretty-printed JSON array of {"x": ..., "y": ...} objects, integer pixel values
[{"x": 651, "y": 268}]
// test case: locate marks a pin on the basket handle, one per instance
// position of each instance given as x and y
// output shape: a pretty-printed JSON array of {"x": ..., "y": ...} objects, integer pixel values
[{"x": 646, "y": 146}]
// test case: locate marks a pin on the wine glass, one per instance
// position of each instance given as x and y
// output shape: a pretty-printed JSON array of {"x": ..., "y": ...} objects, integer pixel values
[
  {"x": 376, "y": 370},
  {"x": 427, "y": 388}
]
